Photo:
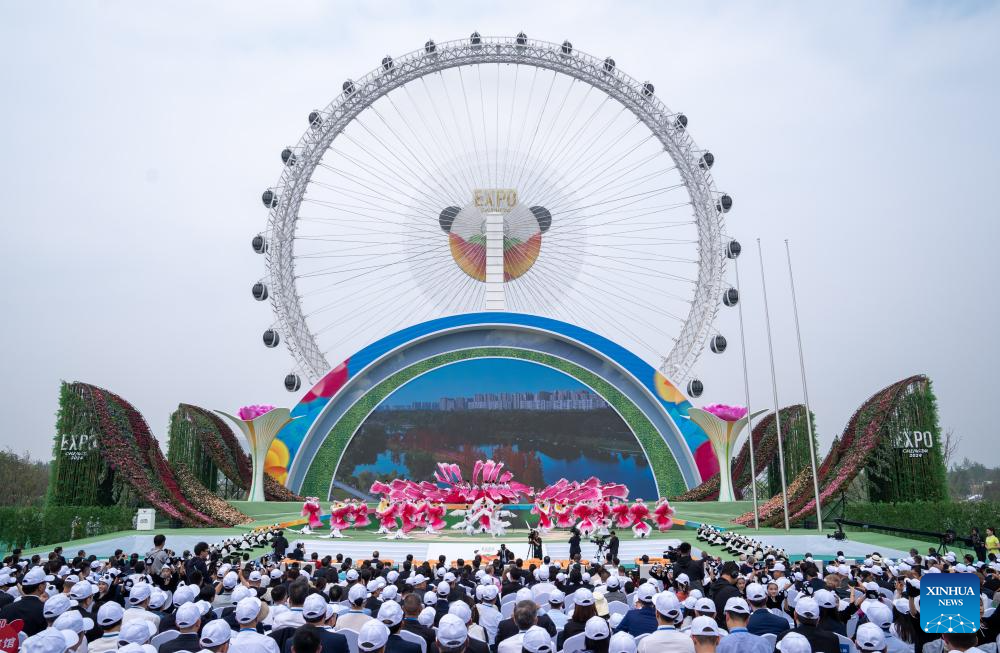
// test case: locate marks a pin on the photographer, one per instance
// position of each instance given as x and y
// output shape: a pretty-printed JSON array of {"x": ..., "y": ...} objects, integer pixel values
[
  {"x": 574, "y": 543},
  {"x": 694, "y": 569}
]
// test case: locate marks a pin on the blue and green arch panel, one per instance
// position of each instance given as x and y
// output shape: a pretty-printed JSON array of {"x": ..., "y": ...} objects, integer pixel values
[{"x": 308, "y": 451}]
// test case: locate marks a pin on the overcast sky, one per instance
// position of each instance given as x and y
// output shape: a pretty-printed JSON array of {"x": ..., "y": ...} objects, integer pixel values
[{"x": 136, "y": 138}]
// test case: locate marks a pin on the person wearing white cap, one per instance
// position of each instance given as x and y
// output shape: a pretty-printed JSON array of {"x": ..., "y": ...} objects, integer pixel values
[
  {"x": 138, "y": 631},
  {"x": 762, "y": 621},
  {"x": 737, "y": 613},
  {"x": 536, "y": 640},
  {"x": 315, "y": 611},
  {"x": 453, "y": 635},
  {"x": 477, "y": 634},
  {"x": 806, "y": 620},
  {"x": 373, "y": 637},
  {"x": 391, "y": 615},
  {"x": 224, "y": 598},
  {"x": 29, "y": 608},
  {"x": 109, "y": 618},
  {"x": 524, "y": 618},
  {"x": 794, "y": 643},
  {"x": 596, "y": 634},
  {"x": 526, "y": 607},
  {"x": 881, "y": 616},
  {"x": 543, "y": 586},
  {"x": 622, "y": 643},
  {"x": 583, "y": 609},
  {"x": 138, "y": 606},
  {"x": 56, "y": 605},
  {"x": 187, "y": 619},
  {"x": 556, "y": 610},
  {"x": 248, "y": 613},
  {"x": 355, "y": 618},
  {"x": 215, "y": 636},
  {"x": 643, "y": 618},
  {"x": 870, "y": 637},
  {"x": 705, "y": 634},
  {"x": 50, "y": 641},
  {"x": 292, "y": 615},
  {"x": 614, "y": 589},
  {"x": 72, "y": 621},
  {"x": 667, "y": 611}
]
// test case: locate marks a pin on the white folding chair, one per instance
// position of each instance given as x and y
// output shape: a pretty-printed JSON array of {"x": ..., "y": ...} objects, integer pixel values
[
  {"x": 164, "y": 637},
  {"x": 415, "y": 638},
  {"x": 509, "y": 598},
  {"x": 617, "y": 607},
  {"x": 771, "y": 639},
  {"x": 575, "y": 643},
  {"x": 218, "y": 612},
  {"x": 507, "y": 609},
  {"x": 846, "y": 645},
  {"x": 638, "y": 638},
  {"x": 352, "y": 639},
  {"x": 852, "y": 625},
  {"x": 542, "y": 599}
]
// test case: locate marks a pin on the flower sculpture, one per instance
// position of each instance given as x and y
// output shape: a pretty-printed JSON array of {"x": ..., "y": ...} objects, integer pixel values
[
  {"x": 722, "y": 424},
  {"x": 260, "y": 425}
]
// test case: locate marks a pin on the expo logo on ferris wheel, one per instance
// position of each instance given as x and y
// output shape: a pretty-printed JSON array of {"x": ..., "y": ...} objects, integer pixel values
[{"x": 494, "y": 200}]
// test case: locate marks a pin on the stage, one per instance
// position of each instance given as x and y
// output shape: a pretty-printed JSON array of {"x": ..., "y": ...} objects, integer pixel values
[{"x": 453, "y": 544}]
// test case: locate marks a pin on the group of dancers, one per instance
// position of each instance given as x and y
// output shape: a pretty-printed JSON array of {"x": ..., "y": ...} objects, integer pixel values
[{"x": 399, "y": 518}]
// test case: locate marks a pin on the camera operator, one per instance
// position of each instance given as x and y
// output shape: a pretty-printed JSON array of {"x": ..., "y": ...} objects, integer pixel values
[
  {"x": 685, "y": 564},
  {"x": 574, "y": 543},
  {"x": 613, "y": 544}
]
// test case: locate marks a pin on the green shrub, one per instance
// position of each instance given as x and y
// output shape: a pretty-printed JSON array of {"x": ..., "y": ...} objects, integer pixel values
[
  {"x": 935, "y": 516},
  {"x": 27, "y": 527}
]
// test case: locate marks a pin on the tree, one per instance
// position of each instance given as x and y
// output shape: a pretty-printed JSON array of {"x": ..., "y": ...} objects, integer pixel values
[{"x": 27, "y": 480}]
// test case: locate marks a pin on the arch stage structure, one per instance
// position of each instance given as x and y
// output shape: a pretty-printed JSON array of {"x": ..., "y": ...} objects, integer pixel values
[{"x": 308, "y": 452}]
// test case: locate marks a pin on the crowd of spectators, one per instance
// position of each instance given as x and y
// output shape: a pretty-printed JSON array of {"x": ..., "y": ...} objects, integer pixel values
[{"x": 227, "y": 597}]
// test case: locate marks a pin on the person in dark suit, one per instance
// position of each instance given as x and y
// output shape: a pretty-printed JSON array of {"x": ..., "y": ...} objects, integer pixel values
[
  {"x": 762, "y": 621},
  {"x": 695, "y": 569},
  {"x": 574, "y": 543},
  {"x": 806, "y": 624},
  {"x": 188, "y": 620},
  {"x": 412, "y": 605},
  {"x": 314, "y": 614},
  {"x": 511, "y": 627},
  {"x": 613, "y": 544},
  {"x": 197, "y": 563},
  {"x": 392, "y": 616},
  {"x": 30, "y": 608},
  {"x": 279, "y": 544},
  {"x": 506, "y": 555}
]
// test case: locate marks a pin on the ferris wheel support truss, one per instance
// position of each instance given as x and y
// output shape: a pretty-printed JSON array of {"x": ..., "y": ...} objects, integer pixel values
[{"x": 586, "y": 68}]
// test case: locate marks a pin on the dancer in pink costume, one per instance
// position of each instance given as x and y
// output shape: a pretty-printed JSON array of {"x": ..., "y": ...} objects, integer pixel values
[
  {"x": 408, "y": 516},
  {"x": 543, "y": 509},
  {"x": 585, "y": 513},
  {"x": 386, "y": 514},
  {"x": 602, "y": 518},
  {"x": 340, "y": 512},
  {"x": 622, "y": 514},
  {"x": 639, "y": 513},
  {"x": 662, "y": 515},
  {"x": 311, "y": 509},
  {"x": 361, "y": 514},
  {"x": 564, "y": 516},
  {"x": 435, "y": 518}
]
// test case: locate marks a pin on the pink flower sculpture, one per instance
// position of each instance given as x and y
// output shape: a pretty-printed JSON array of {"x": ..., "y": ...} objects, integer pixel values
[
  {"x": 250, "y": 413},
  {"x": 726, "y": 413}
]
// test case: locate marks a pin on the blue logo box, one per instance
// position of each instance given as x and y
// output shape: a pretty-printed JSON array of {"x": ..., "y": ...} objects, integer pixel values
[{"x": 949, "y": 603}]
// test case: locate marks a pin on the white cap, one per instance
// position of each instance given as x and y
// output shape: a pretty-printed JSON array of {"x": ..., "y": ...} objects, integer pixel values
[
  {"x": 138, "y": 631},
  {"x": 254, "y": 576},
  {"x": 275, "y": 574},
  {"x": 50, "y": 641},
  {"x": 187, "y": 615},
  {"x": 392, "y": 576},
  {"x": 794, "y": 643},
  {"x": 490, "y": 592},
  {"x": 390, "y": 593},
  {"x": 372, "y": 636},
  {"x": 683, "y": 579},
  {"x": 557, "y": 596},
  {"x": 582, "y": 596},
  {"x": 314, "y": 607},
  {"x": 426, "y": 616},
  {"x": 73, "y": 621},
  {"x": 524, "y": 594},
  {"x": 56, "y": 605},
  {"x": 215, "y": 633},
  {"x": 870, "y": 638},
  {"x": 357, "y": 593},
  {"x": 826, "y": 598},
  {"x": 81, "y": 591},
  {"x": 241, "y": 593},
  {"x": 452, "y": 631},
  {"x": 444, "y": 589},
  {"x": 137, "y": 648},
  {"x": 184, "y": 594},
  {"x": 705, "y": 605},
  {"x": 140, "y": 592},
  {"x": 352, "y": 575},
  {"x": 756, "y": 592},
  {"x": 461, "y": 610},
  {"x": 390, "y": 613},
  {"x": 537, "y": 640},
  {"x": 704, "y": 626},
  {"x": 738, "y": 605},
  {"x": 666, "y": 603},
  {"x": 109, "y": 614},
  {"x": 613, "y": 582},
  {"x": 645, "y": 592},
  {"x": 807, "y": 607},
  {"x": 36, "y": 576},
  {"x": 230, "y": 580},
  {"x": 430, "y": 598},
  {"x": 902, "y": 605},
  {"x": 622, "y": 643},
  {"x": 597, "y": 628},
  {"x": 879, "y": 614},
  {"x": 778, "y": 566}
]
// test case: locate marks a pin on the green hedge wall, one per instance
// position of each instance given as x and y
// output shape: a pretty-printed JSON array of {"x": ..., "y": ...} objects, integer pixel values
[
  {"x": 27, "y": 527},
  {"x": 937, "y": 516}
]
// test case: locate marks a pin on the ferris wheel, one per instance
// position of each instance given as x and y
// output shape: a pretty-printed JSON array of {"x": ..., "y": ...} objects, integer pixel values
[{"x": 495, "y": 173}]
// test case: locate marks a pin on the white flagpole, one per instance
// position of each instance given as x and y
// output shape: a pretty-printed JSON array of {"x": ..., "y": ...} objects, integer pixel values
[
  {"x": 805, "y": 392},
  {"x": 774, "y": 388},
  {"x": 746, "y": 388}
]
